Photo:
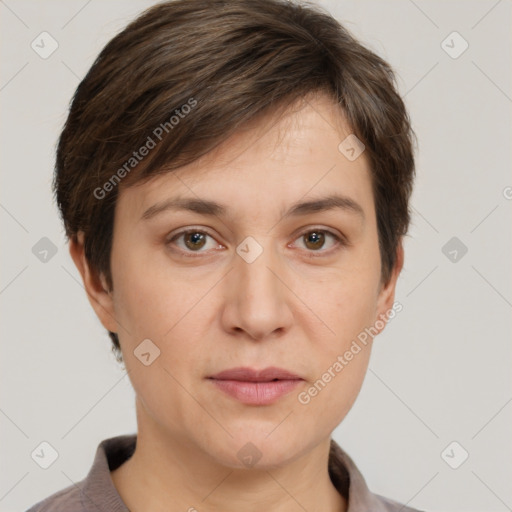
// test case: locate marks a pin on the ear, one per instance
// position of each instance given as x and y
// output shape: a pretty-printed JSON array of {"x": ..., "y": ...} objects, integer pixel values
[
  {"x": 95, "y": 285},
  {"x": 386, "y": 296}
]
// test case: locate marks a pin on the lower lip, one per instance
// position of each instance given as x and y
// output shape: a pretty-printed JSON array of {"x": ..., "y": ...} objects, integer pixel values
[{"x": 257, "y": 393}]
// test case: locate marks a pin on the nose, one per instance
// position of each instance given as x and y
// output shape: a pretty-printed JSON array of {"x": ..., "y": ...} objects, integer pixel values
[{"x": 258, "y": 301}]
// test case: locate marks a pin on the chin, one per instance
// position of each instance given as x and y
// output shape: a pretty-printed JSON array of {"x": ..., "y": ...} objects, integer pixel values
[{"x": 254, "y": 449}]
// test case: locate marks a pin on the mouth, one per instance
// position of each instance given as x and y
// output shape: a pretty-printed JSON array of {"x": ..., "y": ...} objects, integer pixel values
[{"x": 256, "y": 387}]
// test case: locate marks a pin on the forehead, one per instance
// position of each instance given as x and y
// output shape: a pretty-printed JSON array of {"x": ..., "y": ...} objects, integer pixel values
[{"x": 270, "y": 162}]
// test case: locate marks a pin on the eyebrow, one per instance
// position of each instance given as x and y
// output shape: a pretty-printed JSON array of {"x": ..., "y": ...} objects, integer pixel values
[{"x": 212, "y": 208}]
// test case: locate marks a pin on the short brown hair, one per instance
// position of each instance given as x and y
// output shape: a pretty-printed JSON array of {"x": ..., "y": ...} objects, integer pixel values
[{"x": 227, "y": 61}]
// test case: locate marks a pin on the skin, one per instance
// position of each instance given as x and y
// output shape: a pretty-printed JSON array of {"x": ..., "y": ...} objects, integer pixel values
[{"x": 217, "y": 311}]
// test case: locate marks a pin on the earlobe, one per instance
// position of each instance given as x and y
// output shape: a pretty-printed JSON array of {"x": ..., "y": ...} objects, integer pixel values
[
  {"x": 387, "y": 293},
  {"x": 95, "y": 285}
]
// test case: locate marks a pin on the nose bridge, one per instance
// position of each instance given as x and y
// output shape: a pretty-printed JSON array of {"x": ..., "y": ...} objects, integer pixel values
[
  {"x": 258, "y": 295},
  {"x": 255, "y": 259}
]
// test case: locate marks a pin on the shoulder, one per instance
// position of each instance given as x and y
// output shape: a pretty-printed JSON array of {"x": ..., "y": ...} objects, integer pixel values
[
  {"x": 351, "y": 484},
  {"x": 96, "y": 492},
  {"x": 389, "y": 505},
  {"x": 66, "y": 500}
]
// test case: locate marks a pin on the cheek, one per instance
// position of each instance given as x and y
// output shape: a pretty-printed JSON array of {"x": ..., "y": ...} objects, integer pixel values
[
  {"x": 341, "y": 353},
  {"x": 164, "y": 305},
  {"x": 346, "y": 302},
  {"x": 149, "y": 299},
  {"x": 344, "y": 299},
  {"x": 346, "y": 316},
  {"x": 325, "y": 402}
]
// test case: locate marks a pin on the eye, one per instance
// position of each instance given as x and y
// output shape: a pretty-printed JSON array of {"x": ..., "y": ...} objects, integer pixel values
[
  {"x": 194, "y": 240},
  {"x": 315, "y": 239}
]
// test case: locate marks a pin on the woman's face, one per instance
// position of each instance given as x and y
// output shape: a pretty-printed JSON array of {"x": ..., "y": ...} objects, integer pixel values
[{"x": 257, "y": 282}]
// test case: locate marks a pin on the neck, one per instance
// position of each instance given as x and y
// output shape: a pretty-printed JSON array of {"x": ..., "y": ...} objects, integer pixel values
[{"x": 170, "y": 474}]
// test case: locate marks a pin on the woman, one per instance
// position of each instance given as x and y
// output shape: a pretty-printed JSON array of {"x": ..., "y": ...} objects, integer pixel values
[{"x": 234, "y": 180}]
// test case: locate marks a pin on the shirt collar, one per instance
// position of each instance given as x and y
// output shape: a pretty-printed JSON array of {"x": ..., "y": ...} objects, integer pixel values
[
  {"x": 112, "y": 452},
  {"x": 348, "y": 480}
]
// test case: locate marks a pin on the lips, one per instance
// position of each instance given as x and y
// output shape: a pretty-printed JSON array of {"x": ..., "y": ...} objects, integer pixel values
[
  {"x": 249, "y": 375},
  {"x": 256, "y": 387}
]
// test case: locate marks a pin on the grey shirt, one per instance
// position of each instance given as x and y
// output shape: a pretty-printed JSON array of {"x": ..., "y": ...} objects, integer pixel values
[{"x": 97, "y": 493}]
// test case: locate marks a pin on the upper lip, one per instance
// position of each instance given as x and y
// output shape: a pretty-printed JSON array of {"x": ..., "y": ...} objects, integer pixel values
[{"x": 250, "y": 375}]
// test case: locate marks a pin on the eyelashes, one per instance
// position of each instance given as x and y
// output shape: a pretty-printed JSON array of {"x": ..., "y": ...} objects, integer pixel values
[{"x": 193, "y": 246}]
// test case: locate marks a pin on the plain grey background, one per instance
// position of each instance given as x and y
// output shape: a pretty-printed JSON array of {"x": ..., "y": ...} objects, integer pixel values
[{"x": 441, "y": 370}]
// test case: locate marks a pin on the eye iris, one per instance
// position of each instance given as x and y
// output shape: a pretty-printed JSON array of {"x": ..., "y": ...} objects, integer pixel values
[
  {"x": 198, "y": 240},
  {"x": 316, "y": 238}
]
